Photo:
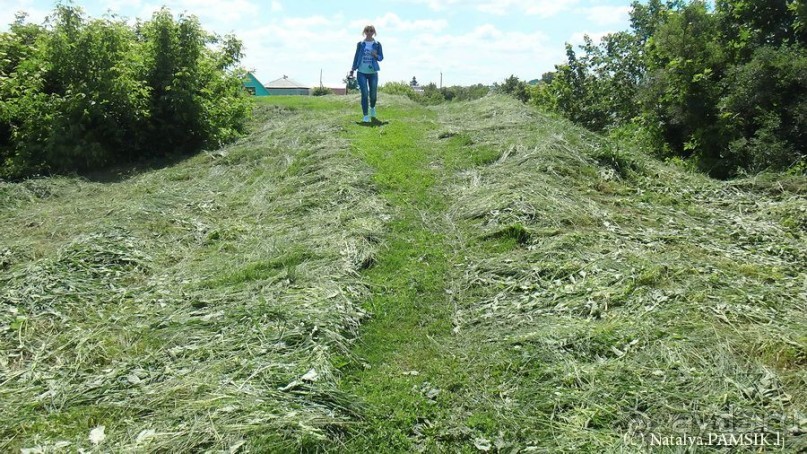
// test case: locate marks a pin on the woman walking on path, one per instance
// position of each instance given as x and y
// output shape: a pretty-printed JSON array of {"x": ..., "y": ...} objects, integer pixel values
[{"x": 368, "y": 54}]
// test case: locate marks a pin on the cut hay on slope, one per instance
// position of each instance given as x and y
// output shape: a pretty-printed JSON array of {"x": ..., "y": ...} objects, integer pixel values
[
  {"x": 189, "y": 308},
  {"x": 630, "y": 297}
]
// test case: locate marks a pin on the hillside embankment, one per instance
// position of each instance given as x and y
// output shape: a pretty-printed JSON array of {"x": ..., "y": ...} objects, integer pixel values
[{"x": 467, "y": 277}]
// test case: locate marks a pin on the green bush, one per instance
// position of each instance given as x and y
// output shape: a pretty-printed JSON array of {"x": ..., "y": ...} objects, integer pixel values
[
  {"x": 764, "y": 113},
  {"x": 84, "y": 93},
  {"x": 321, "y": 91},
  {"x": 398, "y": 88},
  {"x": 721, "y": 85},
  {"x": 431, "y": 94},
  {"x": 515, "y": 87}
]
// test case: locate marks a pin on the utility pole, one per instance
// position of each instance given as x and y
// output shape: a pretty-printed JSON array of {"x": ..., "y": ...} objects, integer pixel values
[
  {"x": 441, "y": 80},
  {"x": 320, "y": 78}
]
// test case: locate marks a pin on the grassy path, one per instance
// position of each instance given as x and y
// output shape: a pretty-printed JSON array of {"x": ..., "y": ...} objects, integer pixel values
[
  {"x": 408, "y": 368},
  {"x": 424, "y": 386}
]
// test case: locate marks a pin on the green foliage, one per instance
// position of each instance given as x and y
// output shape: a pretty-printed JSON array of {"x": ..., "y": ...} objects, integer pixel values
[
  {"x": 194, "y": 101},
  {"x": 514, "y": 87},
  {"x": 768, "y": 122},
  {"x": 98, "y": 101},
  {"x": 686, "y": 64},
  {"x": 596, "y": 88},
  {"x": 432, "y": 95},
  {"x": 799, "y": 10},
  {"x": 720, "y": 85},
  {"x": 24, "y": 107},
  {"x": 321, "y": 91},
  {"x": 83, "y": 93},
  {"x": 469, "y": 93},
  {"x": 398, "y": 88}
]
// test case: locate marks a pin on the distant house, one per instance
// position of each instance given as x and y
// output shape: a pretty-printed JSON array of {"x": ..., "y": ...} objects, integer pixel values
[
  {"x": 254, "y": 86},
  {"x": 339, "y": 90},
  {"x": 286, "y": 86}
]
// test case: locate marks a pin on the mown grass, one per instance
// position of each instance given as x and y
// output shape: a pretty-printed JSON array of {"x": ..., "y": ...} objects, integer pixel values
[
  {"x": 633, "y": 298},
  {"x": 594, "y": 296},
  {"x": 516, "y": 285},
  {"x": 193, "y": 307}
]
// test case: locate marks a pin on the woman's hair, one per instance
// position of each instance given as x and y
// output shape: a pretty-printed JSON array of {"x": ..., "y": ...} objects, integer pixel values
[{"x": 368, "y": 28}]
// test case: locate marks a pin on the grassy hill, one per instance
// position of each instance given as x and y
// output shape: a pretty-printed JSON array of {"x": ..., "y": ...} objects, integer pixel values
[{"x": 467, "y": 277}]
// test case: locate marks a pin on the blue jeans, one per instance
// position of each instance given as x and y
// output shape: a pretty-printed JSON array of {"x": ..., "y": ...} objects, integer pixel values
[{"x": 368, "y": 83}]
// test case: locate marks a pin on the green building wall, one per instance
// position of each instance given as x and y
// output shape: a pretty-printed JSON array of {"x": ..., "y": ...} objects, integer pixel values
[{"x": 254, "y": 86}]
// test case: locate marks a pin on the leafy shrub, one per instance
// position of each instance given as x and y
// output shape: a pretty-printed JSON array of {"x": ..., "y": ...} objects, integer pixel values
[
  {"x": 515, "y": 87},
  {"x": 431, "y": 94},
  {"x": 321, "y": 91},
  {"x": 469, "y": 93},
  {"x": 398, "y": 88},
  {"x": 85, "y": 93},
  {"x": 722, "y": 84},
  {"x": 765, "y": 108}
]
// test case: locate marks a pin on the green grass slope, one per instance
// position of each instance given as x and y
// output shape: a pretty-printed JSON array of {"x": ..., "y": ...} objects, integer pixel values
[
  {"x": 467, "y": 277},
  {"x": 617, "y": 297},
  {"x": 196, "y": 307}
]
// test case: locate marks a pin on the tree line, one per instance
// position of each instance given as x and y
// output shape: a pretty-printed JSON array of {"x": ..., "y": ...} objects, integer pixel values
[
  {"x": 431, "y": 94},
  {"x": 721, "y": 85},
  {"x": 79, "y": 93}
]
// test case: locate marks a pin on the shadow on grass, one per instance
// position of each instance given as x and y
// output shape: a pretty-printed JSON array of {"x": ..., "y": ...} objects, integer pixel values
[
  {"x": 124, "y": 171},
  {"x": 374, "y": 122}
]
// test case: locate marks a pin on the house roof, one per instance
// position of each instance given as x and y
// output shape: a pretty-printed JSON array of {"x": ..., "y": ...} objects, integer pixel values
[
  {"x": 285, "y": 82},
  {"x": 251, "y": 80}
]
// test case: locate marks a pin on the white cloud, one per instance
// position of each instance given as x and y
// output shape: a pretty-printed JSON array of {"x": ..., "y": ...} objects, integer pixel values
[
  {"x": 306, "y": 24},
  {"x": 541, "y": 8},
  {"x": 391, "y": 22},
  {"x": 484, "y": 54},
  {"x": 119, "y": 5},
  {"x": 276, "y": 7},
  {"x": 438, "y": 5},
  {"x": 299, "y": 47},
  {"x": 8, "y": 9},
  {"x": 215, "y": 15},
  {"x": 607, "y": 15}
]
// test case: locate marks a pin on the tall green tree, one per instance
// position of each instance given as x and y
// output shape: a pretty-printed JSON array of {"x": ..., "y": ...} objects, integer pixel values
[
  {"x": 720, "y": 84},
  {"x": 765, "y": 108},
  {"x": 685, "y": 64}
]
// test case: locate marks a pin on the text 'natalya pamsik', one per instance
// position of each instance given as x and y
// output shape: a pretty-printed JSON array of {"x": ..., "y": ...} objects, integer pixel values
[{"x": 714, "y": 439}]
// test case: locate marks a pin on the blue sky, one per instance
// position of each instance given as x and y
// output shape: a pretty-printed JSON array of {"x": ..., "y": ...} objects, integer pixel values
[{"x": 469, "y": 41}]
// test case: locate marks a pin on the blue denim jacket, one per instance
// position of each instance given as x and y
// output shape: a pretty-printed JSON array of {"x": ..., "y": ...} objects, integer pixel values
[{"x": 360, "y": 51}]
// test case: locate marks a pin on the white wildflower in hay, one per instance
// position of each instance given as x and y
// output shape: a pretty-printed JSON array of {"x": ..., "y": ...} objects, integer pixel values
[{"x": 97, "y": 435}]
